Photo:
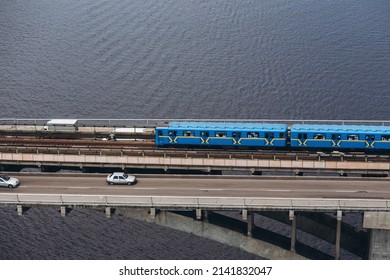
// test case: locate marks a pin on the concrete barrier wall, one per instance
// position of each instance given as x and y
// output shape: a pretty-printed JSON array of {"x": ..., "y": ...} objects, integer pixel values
[
  {"x": 222, "y": 163},
  {"x": 187, "y": 202}
]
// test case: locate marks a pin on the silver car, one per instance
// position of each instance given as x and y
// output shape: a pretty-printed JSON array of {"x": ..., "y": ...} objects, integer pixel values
[
  {"x": 121, "y": 178},
  {"x": 10, "y": 182}
]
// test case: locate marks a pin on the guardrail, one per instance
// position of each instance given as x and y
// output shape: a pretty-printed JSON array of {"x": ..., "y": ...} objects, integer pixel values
[
  {"x": 188, "y": 202},
  {"x": 155, "y": 122},
  {"x": 151, "y": 161}
]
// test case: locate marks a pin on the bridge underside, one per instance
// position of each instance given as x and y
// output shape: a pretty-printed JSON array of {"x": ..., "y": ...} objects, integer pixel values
[
  {"x": 233, "y": 230},
  {"x": 277, "y": 234}
]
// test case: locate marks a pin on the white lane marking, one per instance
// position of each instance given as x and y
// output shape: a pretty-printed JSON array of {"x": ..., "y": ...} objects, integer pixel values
[
  {"x": 61, "y": 187},
  {"x": 82, "y": 187},
  {"x": 349, "y": 191},
  {"x": 273, "y": 190}
]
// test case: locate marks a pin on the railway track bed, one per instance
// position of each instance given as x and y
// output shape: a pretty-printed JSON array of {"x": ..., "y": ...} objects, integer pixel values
[{"x": 146, "y": 148}]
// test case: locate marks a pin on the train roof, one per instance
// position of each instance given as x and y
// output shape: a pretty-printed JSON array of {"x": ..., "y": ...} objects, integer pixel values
[
  {"x": 340, "y": 128},
  {"x": 228, "y": 125}
]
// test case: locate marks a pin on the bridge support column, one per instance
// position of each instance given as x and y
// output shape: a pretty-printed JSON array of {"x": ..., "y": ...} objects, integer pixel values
[
  {"x": 250, "y": 219},
  {"x": 108, "y": 212},
  {"x": 19, "y": 208},
  {"x": 63, "y": 211},
  {"x": 152, "y": 213},
  {"x": 338, "y": 234},
  {"x": 293, "y": 219},
  {"x": 198, "y": 214},
  {"x": 22, "y": 209},
  {"x": 244, "y": 214},
  {"x": 379, "y": 241}
]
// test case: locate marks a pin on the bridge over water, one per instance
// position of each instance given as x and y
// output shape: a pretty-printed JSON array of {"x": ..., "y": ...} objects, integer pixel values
[
  {"x": 207, "y": 211},
  {"x": 199, "y": 206}
]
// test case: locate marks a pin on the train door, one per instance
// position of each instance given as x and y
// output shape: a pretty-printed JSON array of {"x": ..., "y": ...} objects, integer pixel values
[
  {"x": 172, "y": 136},
  {"x": 269, "y": 136},
  {"x": 204, "y": 135},
  {"x": 302, "y": 137},
  {"x": 236, "y": 137},
  {"x": 336, "y": 140},
  {"x": 370, "y": 138}
]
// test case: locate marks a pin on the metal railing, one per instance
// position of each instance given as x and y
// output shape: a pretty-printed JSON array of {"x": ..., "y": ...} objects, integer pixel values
[{"x": 155, "y": 122}]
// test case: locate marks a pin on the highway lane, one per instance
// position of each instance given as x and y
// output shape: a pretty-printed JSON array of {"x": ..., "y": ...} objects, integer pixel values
[{"x": 208, "y": 186}]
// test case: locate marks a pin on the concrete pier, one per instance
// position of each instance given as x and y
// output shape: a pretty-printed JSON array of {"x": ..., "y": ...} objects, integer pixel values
[
  {"x": 338, "y": 234},
  {"x": 293, "y": 219},
  {"x": 63, "y": 211},
  {"x": 108, "y": 212},
  {"x": 250, "y": 222},
  {"x": 19, "y": 209},
  {"x": 379, "y": 242}
]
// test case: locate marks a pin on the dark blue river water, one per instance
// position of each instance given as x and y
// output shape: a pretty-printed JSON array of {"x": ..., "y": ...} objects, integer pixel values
[
  {"x": 280, "y": 59},
  {"x": 195, "y": 59}
]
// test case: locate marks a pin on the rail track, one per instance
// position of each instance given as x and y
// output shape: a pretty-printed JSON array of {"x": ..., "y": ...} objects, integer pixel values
[
  {"x": 145, "y": 147},
  {"x": 131, "y": 143},
  {"x": 61, "y": 135}
]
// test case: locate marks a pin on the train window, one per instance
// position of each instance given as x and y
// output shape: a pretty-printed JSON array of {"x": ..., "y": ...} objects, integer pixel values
[
  {"x": 269, "y": 135},
  {"x": 204, "y": 134},
  {"x": 236, "y": 134},
  {"x": 188, "y": 134},
  {"x": 370, "y": 137},
  {"x": 253, "y": 135},
  {"x": 319, "y": 136},
  {"x": 336, "y": 137},
  {"x": 353, "y": 137},
  {"x": 220, "y": 134},
  {"x": 281, "y": 135},
  {"x": 385, "y": 137},
  {"x": 160, "y": 133},
  {"x": 172, "y": 133}
]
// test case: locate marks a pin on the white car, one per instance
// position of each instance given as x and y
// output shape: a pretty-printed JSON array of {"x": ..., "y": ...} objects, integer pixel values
[
  {"x": 121, "y": 178},
  {"x": 10, "y": 182}
]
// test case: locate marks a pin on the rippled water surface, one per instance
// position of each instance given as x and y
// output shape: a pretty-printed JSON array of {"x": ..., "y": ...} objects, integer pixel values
[
  {"x": 305, "y": 59},
  {"x": 195, "y": 59}
]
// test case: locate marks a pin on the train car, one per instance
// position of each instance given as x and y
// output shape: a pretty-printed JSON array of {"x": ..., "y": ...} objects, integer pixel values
[
  {"x": 338, "y": 137},
  {"x": 221, "y": 134}
]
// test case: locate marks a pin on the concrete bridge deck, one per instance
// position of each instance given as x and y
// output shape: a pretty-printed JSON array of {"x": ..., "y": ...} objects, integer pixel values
[
  {"x": 147, "y": 160},
  {"x": 190, "y": 204},
  {"x": 159, "y": 208}
]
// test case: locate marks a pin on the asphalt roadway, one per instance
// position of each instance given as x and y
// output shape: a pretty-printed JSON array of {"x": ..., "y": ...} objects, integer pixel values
[{"x": 211, "y": 186}]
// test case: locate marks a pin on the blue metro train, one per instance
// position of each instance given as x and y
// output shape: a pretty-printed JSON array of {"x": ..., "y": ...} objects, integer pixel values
[{"x": 270, "y": 135}]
